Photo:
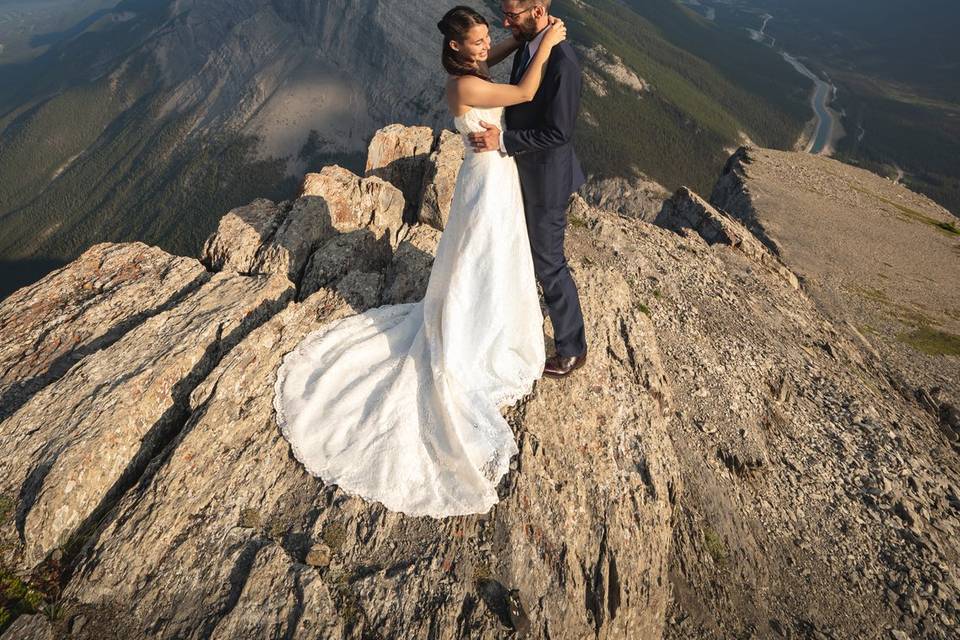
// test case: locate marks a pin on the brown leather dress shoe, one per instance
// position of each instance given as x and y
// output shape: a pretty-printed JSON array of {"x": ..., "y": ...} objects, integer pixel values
[{"x": 560, "y": 366}]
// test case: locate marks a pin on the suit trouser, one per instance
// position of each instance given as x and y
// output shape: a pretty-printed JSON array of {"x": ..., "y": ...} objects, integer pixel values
[{"x": 546, "y": 227}]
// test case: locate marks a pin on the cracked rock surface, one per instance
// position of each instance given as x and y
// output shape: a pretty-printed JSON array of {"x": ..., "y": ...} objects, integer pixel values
[
  {"x": 74, "y": 446},
  {"x": 107, "y": 290},
  {"x": 733, "y": 461}
]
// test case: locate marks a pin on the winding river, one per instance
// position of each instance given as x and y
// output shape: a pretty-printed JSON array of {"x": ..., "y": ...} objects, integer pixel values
[
  {"x": 827, "y": 121},
  {"x": 823, "y": 93}
]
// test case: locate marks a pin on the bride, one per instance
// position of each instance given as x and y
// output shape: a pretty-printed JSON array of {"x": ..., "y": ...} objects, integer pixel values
[{"x": 401, "y": 404}]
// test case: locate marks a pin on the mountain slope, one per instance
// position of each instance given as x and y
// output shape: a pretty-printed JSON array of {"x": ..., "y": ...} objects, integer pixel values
[
  {"x": 731, "y": 462},
  {"x": 695, "y": 106},
  {"x": 185, "y": 107},
  {"x": 895, "y": 283}
]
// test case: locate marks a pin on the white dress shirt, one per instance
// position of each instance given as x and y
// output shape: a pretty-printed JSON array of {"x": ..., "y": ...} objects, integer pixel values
[{"x": 533, "y": 46}]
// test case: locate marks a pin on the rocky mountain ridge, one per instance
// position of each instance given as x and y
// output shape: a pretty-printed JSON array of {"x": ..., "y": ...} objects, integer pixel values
[
  {"x": 733, "y": 461},
  {"x": 879, "y": 259}
]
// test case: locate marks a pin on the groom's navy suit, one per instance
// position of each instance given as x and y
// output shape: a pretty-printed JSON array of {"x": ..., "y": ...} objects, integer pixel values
[{"x": 540, "y": 136}]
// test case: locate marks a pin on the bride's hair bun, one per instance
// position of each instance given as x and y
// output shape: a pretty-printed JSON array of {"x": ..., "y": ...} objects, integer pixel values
[{"x": 443, "y": 27}]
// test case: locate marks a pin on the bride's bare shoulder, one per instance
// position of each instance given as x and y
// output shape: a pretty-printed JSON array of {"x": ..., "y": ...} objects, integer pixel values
[
  {"x": 454, "y": 87},
  {"x": 466, "y": 87},
  {"x": 456, "y": 84},
  {"x": 458, "y": 90}
]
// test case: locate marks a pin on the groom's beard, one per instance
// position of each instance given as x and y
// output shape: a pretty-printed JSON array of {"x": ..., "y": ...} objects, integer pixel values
[{"x": 528, "y": 32}]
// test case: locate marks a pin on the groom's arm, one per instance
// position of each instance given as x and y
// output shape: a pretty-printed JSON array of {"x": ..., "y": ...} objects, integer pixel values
[{"x": 559, "y": 119}]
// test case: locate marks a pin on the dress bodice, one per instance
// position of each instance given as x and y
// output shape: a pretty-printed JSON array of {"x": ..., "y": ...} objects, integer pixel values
[{"x": 470, "y": 121}]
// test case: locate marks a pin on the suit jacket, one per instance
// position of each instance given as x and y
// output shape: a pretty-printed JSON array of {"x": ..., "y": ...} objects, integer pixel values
[{"x": 540, "y": 132}]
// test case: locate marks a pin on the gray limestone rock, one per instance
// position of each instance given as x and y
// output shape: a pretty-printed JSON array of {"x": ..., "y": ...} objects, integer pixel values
[
  {"x": 637, "y": 197},
  {"x": 30, "y": 627},
  {"x": 86, "y": 306},
  {"x": 361, "y": 289},
  {"x": 305, "y": 227},
  {"x": 239, "y": 236},
  {"x": 279, "y": 594},
  {"x": 354, "y": 203},
  {"x": 195, "y": 565},
  {"x": 687, "y": 210},
  {"x": 76, "y": 445},
  {"x": 264, "y": 238},
  {"x": 439, "y": 180},
  {"x": 409, "y": 272},
  {"x": 731, "y": 461},
  {"x": 343, "y": 253},
  {"x": 399, "y": 154},
  {"x": 594, "y": 481}
]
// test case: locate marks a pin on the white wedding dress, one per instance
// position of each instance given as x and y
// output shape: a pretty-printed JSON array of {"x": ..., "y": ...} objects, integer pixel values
[{"x": 401, "y": 404}]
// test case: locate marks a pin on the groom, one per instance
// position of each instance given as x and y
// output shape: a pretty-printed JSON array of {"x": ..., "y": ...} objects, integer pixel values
[{"x": 540, "y": 135}]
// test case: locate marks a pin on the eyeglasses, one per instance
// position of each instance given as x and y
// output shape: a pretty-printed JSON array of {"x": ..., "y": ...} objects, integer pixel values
[{"x": 512, "y": 17}]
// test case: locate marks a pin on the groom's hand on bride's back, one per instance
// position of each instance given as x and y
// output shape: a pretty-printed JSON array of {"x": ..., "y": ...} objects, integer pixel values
[{"x": 488, "y": 140}]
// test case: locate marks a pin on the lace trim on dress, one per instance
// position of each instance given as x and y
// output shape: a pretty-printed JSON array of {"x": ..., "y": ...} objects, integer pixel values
[{"x": 497, "y": 466}]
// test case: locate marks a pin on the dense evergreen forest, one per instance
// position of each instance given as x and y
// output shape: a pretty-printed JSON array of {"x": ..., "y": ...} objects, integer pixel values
[{"x": 710, "y": 90}]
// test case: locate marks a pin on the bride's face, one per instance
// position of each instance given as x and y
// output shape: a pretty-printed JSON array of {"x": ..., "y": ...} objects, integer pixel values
[{"x": 475, "y": 47}]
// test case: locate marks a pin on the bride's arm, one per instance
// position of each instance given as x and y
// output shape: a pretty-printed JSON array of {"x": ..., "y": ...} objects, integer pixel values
[
  {"x": 501, "y": 50},
  {"x": 476, "y": 92}
]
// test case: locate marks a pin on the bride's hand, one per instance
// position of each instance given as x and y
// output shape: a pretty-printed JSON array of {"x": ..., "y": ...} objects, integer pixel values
[{"x": 556, "y": 33}]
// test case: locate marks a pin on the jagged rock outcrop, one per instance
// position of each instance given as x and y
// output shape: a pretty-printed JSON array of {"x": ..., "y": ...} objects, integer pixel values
[
  {"x": 264, "y": 237},
  {"x": 796, "y": 472},
  {"x": 240, "y": 235},
  {"x": 79, "y": 443},
  {"x": 633, "y": 197},
  {"x": 357, "y": 203},
  {"x": 231, "y": 507},
  {"x": 408, "y": 274},
  {"x": 269, "y": 238},
  {"x": 107, "y": 290},
  {"x": 686, "y": 210},
  {"x": 440, "y": 178},
  {"x": 231, "y": 480},
  {"x": 422, "y": 166},
  {"x": 399, "y": 155},
  {"x": 358, "y": 251},
  {"x": 731, "y": 462}
]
